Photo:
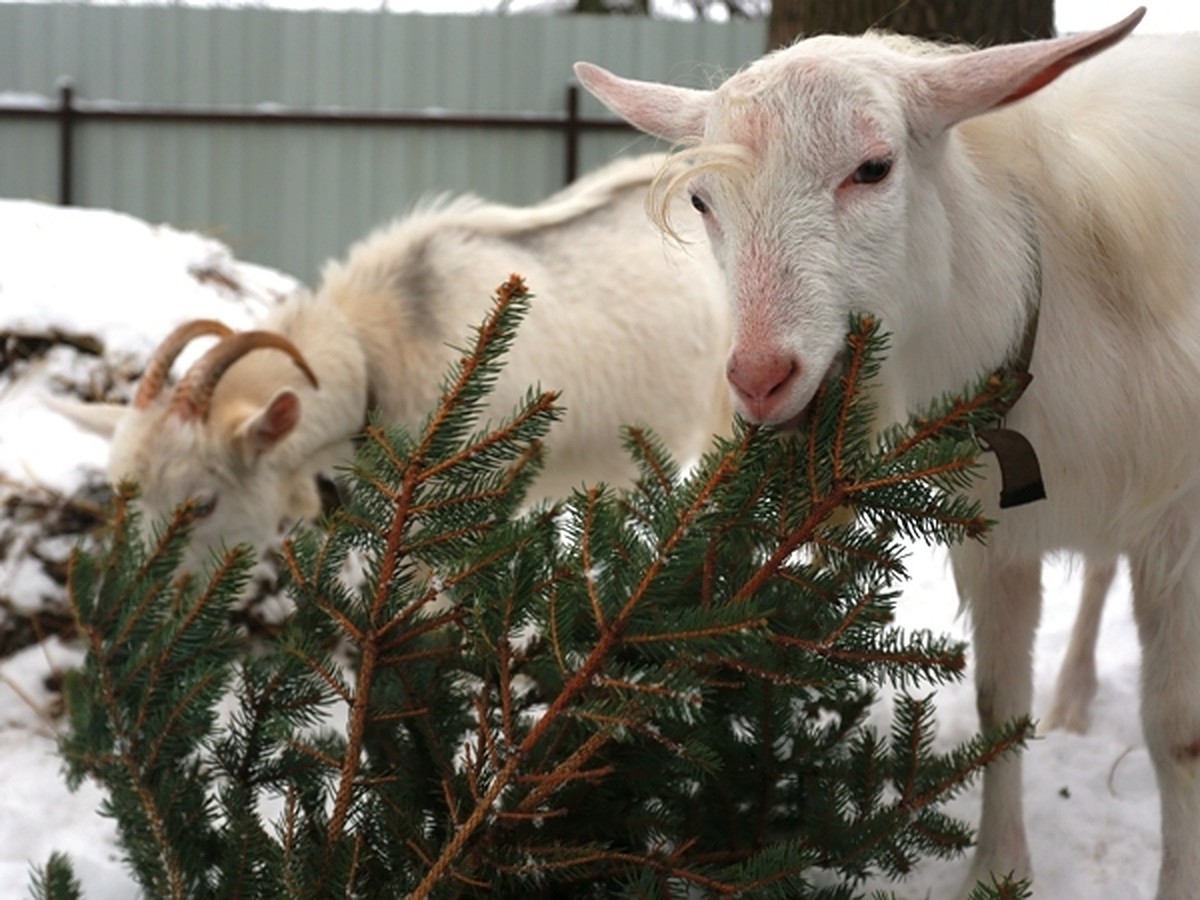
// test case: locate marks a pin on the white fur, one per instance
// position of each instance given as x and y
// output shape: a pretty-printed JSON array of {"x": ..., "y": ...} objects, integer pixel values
[
  {"x": 629, "y": 327},
  {"x": 989, "y": 149},
  {"x": 1076, "y": 686}
]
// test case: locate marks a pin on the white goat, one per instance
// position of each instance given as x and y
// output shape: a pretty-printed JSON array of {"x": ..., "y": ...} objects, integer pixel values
[
  {"x": 883, "y": 175},
  {"x": 630, "y": 328}
]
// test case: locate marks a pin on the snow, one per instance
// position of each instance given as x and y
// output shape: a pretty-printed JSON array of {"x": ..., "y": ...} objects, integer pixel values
[
  {"x": 23, "y": 100},
  {"x": 1091, "y": 804},
  {"x": 54, "y": 260}
]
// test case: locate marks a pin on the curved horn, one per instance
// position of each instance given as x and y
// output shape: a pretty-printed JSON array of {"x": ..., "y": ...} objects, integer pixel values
[
  {"x": 194, "y": 392},
  {"x": 155, "y": 375}
]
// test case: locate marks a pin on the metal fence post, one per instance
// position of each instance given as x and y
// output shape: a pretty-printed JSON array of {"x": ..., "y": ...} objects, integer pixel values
[
  {"x": 572, "y": 133},
  {"x": 66, "y": 140}
]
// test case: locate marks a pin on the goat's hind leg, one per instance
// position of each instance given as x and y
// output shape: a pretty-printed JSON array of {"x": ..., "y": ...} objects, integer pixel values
[
  {"x": 1077, "y": 682},
  {"x": 1005, "y": 599},
  {"x": 1166, "y": 591}
]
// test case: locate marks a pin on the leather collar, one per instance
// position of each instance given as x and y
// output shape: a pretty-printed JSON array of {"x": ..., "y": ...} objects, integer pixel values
[{"x": 1020, "y": 473}]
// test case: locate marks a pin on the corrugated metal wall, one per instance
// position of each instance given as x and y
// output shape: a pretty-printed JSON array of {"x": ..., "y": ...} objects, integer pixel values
[{"x": 293, "y": 196}]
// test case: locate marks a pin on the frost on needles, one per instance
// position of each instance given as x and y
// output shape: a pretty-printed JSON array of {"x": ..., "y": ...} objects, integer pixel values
[{"x": 655, "y": 692}]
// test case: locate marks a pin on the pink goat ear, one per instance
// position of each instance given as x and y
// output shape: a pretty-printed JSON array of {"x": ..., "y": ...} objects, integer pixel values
[
  {"x": 665, "y": 111},
  {"x": 272, "y": 423},
  {"x": 959, "y": 87}
]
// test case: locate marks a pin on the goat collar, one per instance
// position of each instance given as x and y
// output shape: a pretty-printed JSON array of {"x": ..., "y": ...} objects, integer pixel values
[{"x": 1020, "y": 472}]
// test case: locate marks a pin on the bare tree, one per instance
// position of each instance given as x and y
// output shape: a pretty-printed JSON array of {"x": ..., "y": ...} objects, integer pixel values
[{"x": 977, "y": 21}]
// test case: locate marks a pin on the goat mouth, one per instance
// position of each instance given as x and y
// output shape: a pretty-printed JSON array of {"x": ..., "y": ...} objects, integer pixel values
[
  {"x": 796, "y": 422},
  {"x": 800, "y": 419}
]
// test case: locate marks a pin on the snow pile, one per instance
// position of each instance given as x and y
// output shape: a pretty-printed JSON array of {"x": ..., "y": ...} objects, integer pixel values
[
  {"x": 85, "y": 296},
  {"x": 115, "y": 279}
]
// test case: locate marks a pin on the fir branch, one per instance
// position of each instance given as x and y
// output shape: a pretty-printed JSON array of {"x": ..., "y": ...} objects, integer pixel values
[
  {"x": 612, "y": 632},
  {"x": 545, "y": 403},
  {"x": 352, "y": 755},
  {"x": 170, "y": 539},
  {"x": 570, "y": 769},
  {"x": 492, "y": 333},
  {"x": 166, "y": 664},
  {"x": 1001, "y": 889},
  {"x": 589, "y": 562},
  {"x": 862, "y": 341},
  {"x": 152, "y": 816},
  {"x": 672, "y": 867},
  {"x": 966, "y": 761},
  {"x": 578, "y": 681},
  {"x": 152, "y": 705},
  {"x": 695, "y": 634},
  {"x": 330, "y": 762},
  {"x": 467, "y": 829},
  {"x": 787, "y": 547},
  {"x": 903, "y": 477},
  {"x": 985, "y": 404},
  {"x": 663, "y": 475},
  {"x": 56, "y": 880}
]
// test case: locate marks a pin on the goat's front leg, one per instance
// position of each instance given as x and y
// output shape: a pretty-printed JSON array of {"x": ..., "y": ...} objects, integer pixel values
[
  {"x": 1005, "y": 600},
  {"x": 1166, "y": 594},
  {"x": 1076, "y": 685}
]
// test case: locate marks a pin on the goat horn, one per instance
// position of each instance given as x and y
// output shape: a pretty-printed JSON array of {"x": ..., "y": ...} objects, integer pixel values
[
  {"x": 159, "y": 367},
  {"x": 194, "y": 393}
]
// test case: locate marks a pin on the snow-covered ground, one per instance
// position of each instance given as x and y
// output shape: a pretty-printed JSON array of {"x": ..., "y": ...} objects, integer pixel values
[{"x": 1091, "y": 804}]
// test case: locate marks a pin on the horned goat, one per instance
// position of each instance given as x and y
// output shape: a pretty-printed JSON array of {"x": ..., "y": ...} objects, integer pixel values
[
  {"x": 973, "y": 201},
  {"x": 630, "y": 328}
]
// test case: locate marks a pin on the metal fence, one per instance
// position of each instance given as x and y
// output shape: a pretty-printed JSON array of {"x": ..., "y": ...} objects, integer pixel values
[
  {"x": 70, "y": 112},
  {"x": 290, "y": 135}
]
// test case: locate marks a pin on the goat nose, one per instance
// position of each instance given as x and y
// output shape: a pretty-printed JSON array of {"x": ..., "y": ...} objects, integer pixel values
[{"x": 760, "y": 380}]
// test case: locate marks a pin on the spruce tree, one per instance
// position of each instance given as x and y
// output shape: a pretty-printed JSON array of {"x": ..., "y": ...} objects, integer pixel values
[{"x": 653, "y": 692}]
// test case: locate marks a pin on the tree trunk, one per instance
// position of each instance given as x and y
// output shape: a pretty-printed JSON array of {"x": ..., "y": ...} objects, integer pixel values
[{"x": 980, "y": 22}]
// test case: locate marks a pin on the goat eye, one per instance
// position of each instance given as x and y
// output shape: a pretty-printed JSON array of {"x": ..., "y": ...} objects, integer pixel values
[
  {"x": 699, "y": 205},
  {"x": 204, "y": 506},
  {"x": 872, "y": 171}
]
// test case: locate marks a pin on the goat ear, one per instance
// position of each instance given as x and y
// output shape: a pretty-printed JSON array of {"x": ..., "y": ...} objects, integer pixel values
[
  {"x": 272, "y": 423},
  {"x": 98, "y": 418},
  {"x": 672, "y": 113},
  {"x": 959, "y": 87}
]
